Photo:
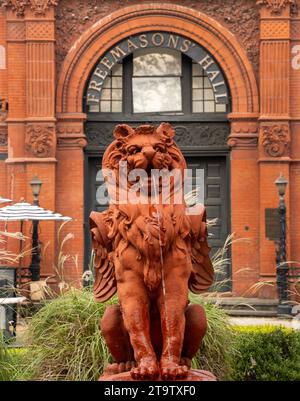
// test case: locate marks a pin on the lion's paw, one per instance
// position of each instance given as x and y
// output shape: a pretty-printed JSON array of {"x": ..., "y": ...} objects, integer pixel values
[
  {"x": 116, "y": 368},
  {"x": 145, "y": 370},
  {"x": 172, "y": 371}
]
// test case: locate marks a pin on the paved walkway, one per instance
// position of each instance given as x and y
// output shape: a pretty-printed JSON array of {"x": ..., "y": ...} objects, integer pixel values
[{"x": 293, "y": 323}]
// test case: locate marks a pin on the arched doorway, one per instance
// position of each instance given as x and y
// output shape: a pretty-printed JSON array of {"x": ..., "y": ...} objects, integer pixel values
[{"x": 76, "y": 122}]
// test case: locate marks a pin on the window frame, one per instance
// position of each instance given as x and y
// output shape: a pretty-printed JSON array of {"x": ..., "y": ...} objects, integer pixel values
[{"x": 187, "y": 114}]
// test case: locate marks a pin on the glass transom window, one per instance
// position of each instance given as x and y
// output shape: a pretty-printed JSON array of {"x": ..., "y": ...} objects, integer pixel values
[{"x": 156, "y": 82}]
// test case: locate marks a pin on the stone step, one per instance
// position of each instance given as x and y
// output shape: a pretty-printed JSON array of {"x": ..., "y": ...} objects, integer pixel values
[
  {"x": 251, "y": 313},
  {"x": 247, "y": 306}
]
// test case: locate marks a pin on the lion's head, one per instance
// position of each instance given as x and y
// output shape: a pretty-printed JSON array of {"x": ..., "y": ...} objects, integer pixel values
[{"x": 146, "y": 147}]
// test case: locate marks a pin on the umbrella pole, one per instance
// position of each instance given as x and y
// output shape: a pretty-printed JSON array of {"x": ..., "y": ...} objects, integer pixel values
[
  {"x": 19, "y": 275},
  {"x": 35, "y": 254}
]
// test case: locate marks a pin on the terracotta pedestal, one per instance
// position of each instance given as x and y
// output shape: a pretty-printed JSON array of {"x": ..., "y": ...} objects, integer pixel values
[{"x": 193, "y": 376}]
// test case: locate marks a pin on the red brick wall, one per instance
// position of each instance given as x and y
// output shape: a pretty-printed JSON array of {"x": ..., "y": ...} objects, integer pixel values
[
  {"x": 74, "y": 17},
  {"x": 254, "y": 169}
]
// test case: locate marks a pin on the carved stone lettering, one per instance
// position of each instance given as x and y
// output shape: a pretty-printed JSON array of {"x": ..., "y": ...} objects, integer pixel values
[{"x": 163, "y": 40}]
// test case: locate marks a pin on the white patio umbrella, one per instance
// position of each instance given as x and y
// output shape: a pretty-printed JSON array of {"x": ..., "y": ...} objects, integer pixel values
[
  {"x": 27, "y": 212},
  {"x": 3, "y": 200}
]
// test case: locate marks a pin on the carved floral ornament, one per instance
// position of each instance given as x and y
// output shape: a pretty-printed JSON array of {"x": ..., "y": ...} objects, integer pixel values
[
  {"x": 3, "y": 137},
  {"x": 275, "y": 6},
  {"x": 40, "y": 140},
  {"x": 39, "y": 7},
  {"x": 276, "y": 140}
]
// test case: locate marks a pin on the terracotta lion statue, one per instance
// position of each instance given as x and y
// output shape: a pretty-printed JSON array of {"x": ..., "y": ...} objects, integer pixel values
[{"x": 151, "y": 255}]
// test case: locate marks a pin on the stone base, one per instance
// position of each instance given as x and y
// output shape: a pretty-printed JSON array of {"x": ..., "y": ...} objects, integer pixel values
[{"x": 193, "y": 376}]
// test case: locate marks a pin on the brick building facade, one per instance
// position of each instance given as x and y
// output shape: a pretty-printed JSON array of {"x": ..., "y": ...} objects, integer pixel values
[{"x": 49, "y": 51}]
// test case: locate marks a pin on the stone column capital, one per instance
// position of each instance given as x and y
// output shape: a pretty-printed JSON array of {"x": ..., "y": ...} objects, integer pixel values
[
  {"x": 275, "y": 7},
  {"x": 19, "y": 7}
]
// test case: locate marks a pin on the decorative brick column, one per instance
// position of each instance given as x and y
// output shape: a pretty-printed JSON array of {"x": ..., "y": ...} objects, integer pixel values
[
  {"x": 243, "y": 141},
  {"x": 275, "y": 132},
  {"x": 294, "y": 227},
  {"x": 70, "y": 182},
  {"x": 3, "y": 104},
  {"x": 30, "y": 35}
]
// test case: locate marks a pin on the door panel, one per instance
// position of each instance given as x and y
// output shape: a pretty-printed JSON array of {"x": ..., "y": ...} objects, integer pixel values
[{"x": 216, "y": 203}]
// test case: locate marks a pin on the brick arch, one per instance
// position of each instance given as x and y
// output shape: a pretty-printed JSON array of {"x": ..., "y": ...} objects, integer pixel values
[{"x": 202, "y": 29}]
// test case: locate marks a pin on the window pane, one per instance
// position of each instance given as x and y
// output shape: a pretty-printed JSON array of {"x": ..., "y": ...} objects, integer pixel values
[
  {"x": 94, "y": 108},
  {"x": 207, "y": 83},
  {"x": 221, "y": 108},
  {"x": 105, "y": 107},
  {"x": 197, "y": 94},
  {"x": 117, "y": 82},
  {"x": 107, "y": 83},
  {"x": 197, "y": 69},
  {"x": 197, "y": 107},
  {"x": 105, "y": 94},
  {"x": 116, "y": 107},
  {"x": 203, "y": 95},
  {"x": 156, "y": 94},
  {"x": 209, "y": 94},
  {"x": 117, "y": 94},
  {"x": 111, "y": 91},
  {"x": 162, "y": 62},
  {"x": 197, "y": 82},
  {"x": 118, "y": 70},
  {"x": 209, "y": 107}
]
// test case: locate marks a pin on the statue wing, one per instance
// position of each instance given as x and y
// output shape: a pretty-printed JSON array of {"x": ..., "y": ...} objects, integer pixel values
[
  {"x": 202, "y": 275},
  {"x": 105, "y": 285}
]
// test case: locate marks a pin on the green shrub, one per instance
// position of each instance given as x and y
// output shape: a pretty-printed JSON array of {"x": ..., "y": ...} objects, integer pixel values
[
  {"x": 266, "y": 353},
  {"x": 10, "y": 359},
  {"x": 66, "y": 344},
  {"x": 218, "y": 347},
  {"x": 64, "y": 340}
]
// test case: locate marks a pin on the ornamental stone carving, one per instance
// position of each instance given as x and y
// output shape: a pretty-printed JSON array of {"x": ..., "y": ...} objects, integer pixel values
[
  {"x": 71, "y": 142},
  {"x": 243, "y": 141},
  {"x": 40, "y": 140},
  {"x": 275, "y": 6},
  {"x": 3, "y": 109},
  {"x": 18, "y": 6},
  {"x": 242, "y": 20},
  {"x": 190, "y": 135},
  {"x": 39, "y": 7},
  {"x": 244, "y": 135},
  {"x": 3, "y": 136},
  {"x": 275, "y": 140},
  {"x": 71, "y": 136}
]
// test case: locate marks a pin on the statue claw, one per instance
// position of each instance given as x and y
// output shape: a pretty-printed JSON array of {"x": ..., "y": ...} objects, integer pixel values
[
  {"x": 146, "y": 370},
  {"x": 173, "y": 371}
]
